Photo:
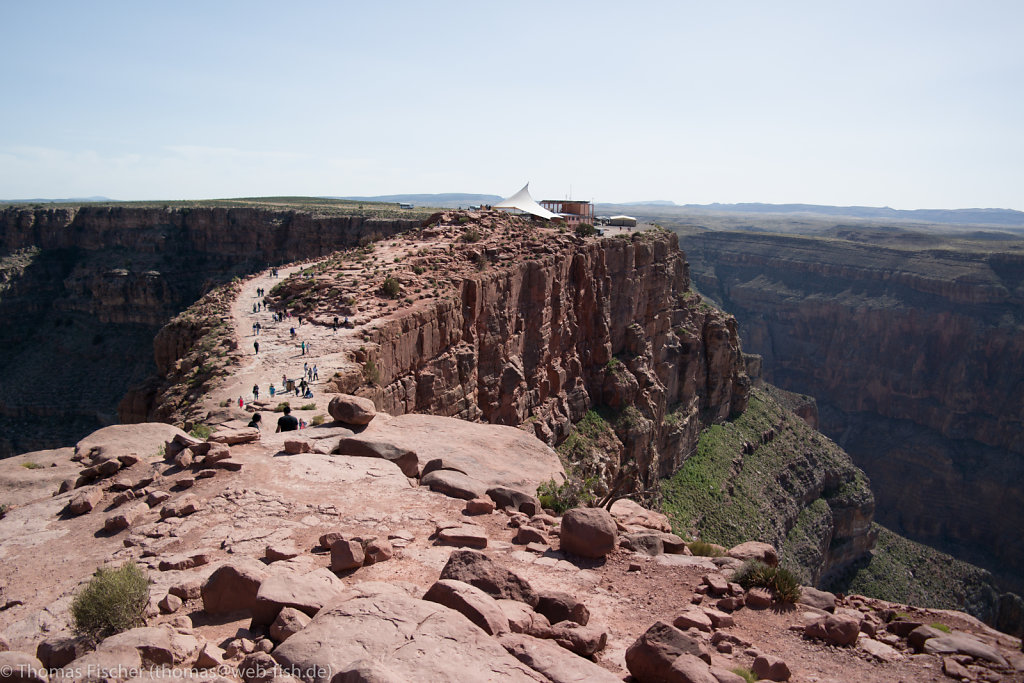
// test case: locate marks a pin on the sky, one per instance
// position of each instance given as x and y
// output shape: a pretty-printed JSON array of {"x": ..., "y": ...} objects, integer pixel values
[{"x": 901, "y": 103}]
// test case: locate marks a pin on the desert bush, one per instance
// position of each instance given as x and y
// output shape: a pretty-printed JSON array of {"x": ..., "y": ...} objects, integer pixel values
[
  {"x": 113, "y": 601},
  {"x": 585, "y": 230},
  {"x": 371, "y": 373},
  {"x": 471, "y": 235},
  {"x": 705, "y": 549},
  {"x": 575, "y": 492},
  {"x": 419, "y": 270},
  {"x": 32, "y": 465},
  {"x": 745, "y": 673},
  {"x": 941, "y": 627},
  {"x": 279, "y": 408},
  {"x": 317, "y": 420},
  {"x": 201, "y": 431},
  {"x": 779, "y": 581},
  {"x": 4, "y": 509},
  {"x": 390, "y": 288},
  {"x": 308, "y": 406}
]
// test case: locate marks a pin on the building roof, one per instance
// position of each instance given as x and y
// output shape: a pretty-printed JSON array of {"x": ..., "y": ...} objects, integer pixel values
[{"x": 524, "y": 202}]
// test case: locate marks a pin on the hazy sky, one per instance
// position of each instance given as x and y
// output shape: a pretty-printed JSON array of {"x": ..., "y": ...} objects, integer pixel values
[{"x": 905, "y": 103}]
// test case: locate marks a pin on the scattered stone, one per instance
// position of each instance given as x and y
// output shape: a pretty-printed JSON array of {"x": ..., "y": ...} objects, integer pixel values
[
  {"x": 471, "y": 602},
  {"x": 527, "y": 534},
  {"x": 346, "y": 554},
  {"x": 629, "y": 512},
  {"x": 289, "y": 621},
  {"x": 730, "y": 604},
  {"x": 508, "y": 498},
  {"x": 726, "y": 676},
  {"x": 880, "y": 651},
  {"x": 961, "y": 643},
  {"x": 673, "y": 545},
  {"x": 919, "y": 635},
  {"x": 719, "y": 619},
  {"x": 588, "y": 532},
  {"x": 210, "y": 657},
  {"x": 377, "y": 550},
  {"x": 646, "y": 543},
  {"x": 475, "y": 568},
  {"x": 454, "y": 484},
  {"x": 280, "y": 551},
  {"x": 542, "y": 519},
  {"x": 902, "y": 628},
  {"x": 183, "y": 459},
  {"x": 819, "y": 599},
  {"x": 771, "y": 668},
  {"x": 539, "y": 548},
  {"x": 231, "y": 465},
  {"x": 689, "y": 669},
  {"x": 365, "y": 447},
  {"x": 480, "y": 506},
  {"x": 955, "y": 669},
  {"x": 85, "y": 499},
  {"x": 755, "y": 550},
  {"x": 554, "y": 662},
  {"x": 188, "y": 589},
  {"x": 196, "y": 558},
  {"x": 215, "y": 452},
  {"x": 693, "y": 618},
  {"x": 585, "y": 641},
  {"x": 651, "y": 656},
  {"x": 235, "y": 436},
  {"x": 233, "y": 586},
  {"x": 59, "y": 649},
  {"x": 838, "y": 629},
  {"x": 296, "y": 445},
  {"x": 522, "y": 619},
  {"x": 758, "y": 598},
  {"x": 154, "y": 498},
  {"x": 352, "y": 410},
  {"x": 717, "y": 584},
  {"x": 124, "y": 519},
  {"x": 557, "y": 606},
  {"x": 21, "y": 667},
  {"x": 169, "y": 604},
  {"x": 464, "y": 536},
  {"x": 182, "y": 507}
]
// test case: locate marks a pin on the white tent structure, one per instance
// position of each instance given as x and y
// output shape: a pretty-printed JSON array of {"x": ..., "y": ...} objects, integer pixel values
[{"x": 522, "y": 201}]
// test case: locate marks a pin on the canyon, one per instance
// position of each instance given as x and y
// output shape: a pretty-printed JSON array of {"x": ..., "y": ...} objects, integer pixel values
[{"x": 912, "y": 345}]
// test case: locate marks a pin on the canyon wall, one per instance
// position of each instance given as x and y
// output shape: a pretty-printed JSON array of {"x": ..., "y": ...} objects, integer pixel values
[
  {"x": 83, "y": 291},
  {"x": 915, "y": 357}
]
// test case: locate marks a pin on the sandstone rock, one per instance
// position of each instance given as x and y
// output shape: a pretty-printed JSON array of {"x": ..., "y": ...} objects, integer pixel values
[
  {"x": 543, "y": 520},
  {"x": 183, "y": 459},
  {"x": 508, "y": 498},
  {"x": 154, "y": 498},
  {"x": 289, "y": 621},
  {"x": 85, "y": 499},
  {"x": 124, "y": 519},
  {"x": 464, "y": 536},
  {"x": 527, "y": 534},
  {"x": 755, "y": 550},
  {"x": 196, "y": 558},
  {"x": 771, "y": 668},
  {"x": 182, "y": 507},
  {"x": 689, "y": 669},
  {"x": 471, "y": 602},
  {"x": 919, "y": 635},
  {"x": 59, "y": 649},
  {"x": 327, "y": 540},
  {"x": 306, "y": 592},
  {"x": 718, "y": 619},
  {"x": 346, "y": 554},
  {"x": 352, "y": 410},
  {"x": 818, "y": 599},
  {"x": 280, "y": 551},
  {"x": 188, "y": 589},
  {"x": 693, "y": 618},
  {"x": 880, "y": 651},
  {"x": 479, "y": 506},
  {"x": 235, "y": 436},
  {"x": 726, "y": 676},
  {"x": 717, "y": 584},
  {"x": 645, "y": 543},
  {"x": 902, "y": 627},
  {"x": 170, "y": 603},
  {"x": 837, "y": 629},
  {"x": 104, "y": 665},
  {"x": 210, "y": 657},
  {"x": 522, "y": 619},
  {"x": 587, "y": 532},
  {"x": 759, "y": 598},
  {"x": 215, "y": 452},
  {"x": 454, "y": 484},
  {"x": 964, "y": 644},
  {"x": 730, "y": 604},
  {"x": 956, "y": 670},
  {"x": 296, "y": 445},
  {"x": 367, "y": 447},
  {"x": 585, "y": 641},
  {"x": 418, "y": 640},
  {"x": 377, "y": 550},
  {"x": 258, "y": 667},
  {"x": 629, "y": 513},
  {"x": 477, "y": 569},
  {"x": 21, "y": 667},
  {"x": 557, "y": 606},
  {"x": 554, "y": 662},
  {"x": 674, "y": 545},
  {"x": 231, "y": 465},
  {"x": 651, "y": 656},
  {"x": 233, "y": 586},
  {"x": 155, "y": 645}
]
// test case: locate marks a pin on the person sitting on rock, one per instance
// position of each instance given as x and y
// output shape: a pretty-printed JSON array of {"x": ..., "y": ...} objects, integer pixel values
[
  {"x": 255, "y": 421},
  {"x": 287, "y": 423}
]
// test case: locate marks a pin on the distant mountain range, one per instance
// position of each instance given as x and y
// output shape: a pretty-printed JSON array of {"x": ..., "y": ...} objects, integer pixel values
[
  {"x": 447, "y": 200},
  {"x": 65, "y": 200},
  {"x": 955, "y": 216}
]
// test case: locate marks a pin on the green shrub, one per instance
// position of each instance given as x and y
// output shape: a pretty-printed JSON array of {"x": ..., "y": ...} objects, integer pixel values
[
  {"x": 32, "y": 465},
  {"x": 779, "y": 581},
  {"x": 390, "y": 288},
  {"x": 575, "y": 492},
  {"x": 279, "y": 408},
  {"x": 308, "y": 406},
  {"x": 371, "y": 373},
  {"x": 703, "y": 549},
  {"x": 201, "y": 431},
  {"x": 471, "y": 235},
  {"x": 941, "y": 627},
  {"x": 419, "y": 270},
  {"x": 114, "y": 600},
  {"x": 317, "y": 420},
  {"x": 745, "y": 673},
  {"x": 4, "y": 509},
  {"x": 585, "y": 230}
]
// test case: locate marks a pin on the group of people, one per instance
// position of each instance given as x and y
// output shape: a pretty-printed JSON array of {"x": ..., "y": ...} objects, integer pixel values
[
  {"x": 285, "y": 423},
  {"x": 256, "y": 328}
]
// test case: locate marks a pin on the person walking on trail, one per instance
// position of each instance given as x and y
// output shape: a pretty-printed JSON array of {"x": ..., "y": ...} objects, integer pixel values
[
  {"x": 259, "y": 328},
  {"x": 256, "y": 345},
  {"x": 303, "y": 348},
  {"x": 272, "y": 390},
  {"x": 241, "y": 403},
  {"x": 316, "y": 373},
  {"x": 255, "y": 392},
  {"x": 287, "y": 423}
]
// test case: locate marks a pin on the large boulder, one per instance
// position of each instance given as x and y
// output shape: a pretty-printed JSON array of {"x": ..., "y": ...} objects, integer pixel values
[
  {"x": 771, "y": 668},
  {"x": 409, "y": 639},
  {"x": 651, "y": 656},
  {"x": 232, "y": 437},
  {"x": 554, "y": 662},
  {"x": 471, "y": 602},
  {"x": 346, "y": 554},
  {"x": 378, "y": 448},
  {"x": 819, "y": 599},
  {"x": 305, "y": 592},
  {"x": 558, "y": 606},
  {"x": 233, "y": 586},
  {"x": 352, "y": 410},
  {"x": 963, "y": 644},
  {"x": 630, "y": 513},
  {"x": 476, "y": 569},
  {"x": 85, "y": 499},
  {"x": 755, "y": 550},
  {"x": 508, "y": 498},
  {"x": 837, "y": 629},
  {"x": 21, "y": 667},
  {"x": 588, "y": 532},
  {"x": 454, "y": 484}
]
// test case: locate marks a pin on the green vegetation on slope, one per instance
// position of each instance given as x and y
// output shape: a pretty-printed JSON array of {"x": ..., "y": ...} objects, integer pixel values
[{"x": 728, "y": 497}]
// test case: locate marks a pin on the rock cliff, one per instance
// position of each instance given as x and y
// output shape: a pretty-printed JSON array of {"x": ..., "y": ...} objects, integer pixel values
[
  {"x": 912, "y": 352},
  {"x": 83, "y": 291}
]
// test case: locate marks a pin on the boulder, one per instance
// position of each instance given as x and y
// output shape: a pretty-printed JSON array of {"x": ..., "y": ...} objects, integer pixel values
[
  {"x": 588, "y": 532},
  {"x": 879, "y": 650},
  {"x": 210, "y": 657},
  {"x": 232, "y": 437},
  {"x": 553, "y": 662},
  {"x": 479, "y": 506},
  {"x": 963, "y": 644},
  {"x": 377, "y": 550},
  {"x": 454, "y": 484},
  {"x": 716, "y": 584},
  {"x": 417, "y": 639},
  {"x": 512, "y": 499},
  {"x": 59, "y": 649},
  {"x": 85, "y": 499},
  {"x": 755, "y": 550},
  {"x": 358, "y": 446},
  {"x": 761, "y": 598},
  {"x": 475, "y": 568},
  {"x": 127, "y": 517},
  {"x": 346, "y": 554},
  {"x": 585, "y": 641},
  {"x": 471, "y": 602},
  {"x": 771, "y": 668},
  {"x": 215, "y": 452},
  {"x": 837, "y": 629},
  {"x": 719, "y": 619},
  {"x": 919, "y": 635},
  {"x": 558, "y": 606},
  {"x": 693, "y": 617},
  {"x": 528, "y": 534},
  {"x": 181, "y": 507},
  {"x": 630, "y": 513},
  {"x": 463, "y": 536},
  {"x": 651, "y": 656},
  {"x": 644, "y": 542},
  {"x": 277, "y": 552},
  {"x": 187, "y": 589},
  {"x": 819, "y": 599},
  {"x": 196, "y": 558},
  {"x": 307, "y": 593},
  {"x": 288, "y": 622},
  {"x": 105, "y": 664},
  {"x": 169, "y": 604},
  {"x": 690, "y": 669},
  {"x": 21, "y": 667},
  {"x": 522, "y": 619},
  {"x": 296, "y": 445},
  {"x": 233, "y": 586},
  {"x": 674, "y": 545},
  {"x": 352, "y": 410},
  {"x": 155, "y": 645}
]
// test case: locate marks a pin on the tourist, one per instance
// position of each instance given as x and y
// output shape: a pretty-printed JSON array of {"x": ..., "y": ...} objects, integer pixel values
[
  {"x": 316, "y": 373},
  {"x": 287, "y": 423},
  {"x": 255, "y": 421},
  {"x": 272, "y": 390},
  {"x": 256, "y": 345},
  {"x": 255, "y": 392},
  {"x": 241, "y": 402}
]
